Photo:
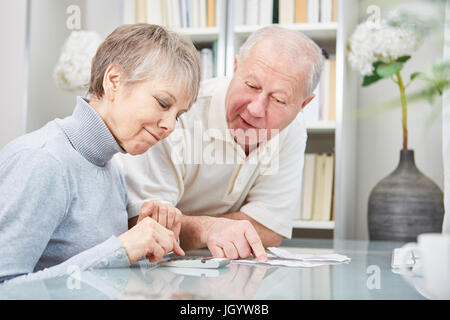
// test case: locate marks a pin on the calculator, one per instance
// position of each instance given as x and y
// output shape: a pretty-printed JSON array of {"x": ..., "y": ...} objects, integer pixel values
[{"x": 195, "y": 262}]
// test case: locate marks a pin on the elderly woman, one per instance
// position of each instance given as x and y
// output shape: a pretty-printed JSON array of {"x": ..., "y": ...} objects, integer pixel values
[{"x": 62, "y": 200}]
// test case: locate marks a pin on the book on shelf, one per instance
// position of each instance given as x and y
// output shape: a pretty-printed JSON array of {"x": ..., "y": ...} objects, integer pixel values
[
  {"x": 265, "y": 12},
  {"x": 323, "y": 188},
  {"x": 210, "y": 13},
  {"x": 325, "y": 11},
  {"x": 207, "y": 13},
  {"x": 313, "y": 11},
  {"x": 332, "y": 88},
  {"x": 334, "y": 11},
  {"x": 155, "y": 13},
  {"x": 129, "y": 12},
  {"x": 252, "y": 8},
  {"x": 308, "y": 186},
  {"x": 141, "y": 11},
  {"x": 323, "y": 106},
  {"x": 174, "y": 13},
  {"x": 317, "y": 188},
  {"x": 286, "y": 10},
  {"x": 206, "y": 63},
  {"x": 328, "y": 174},
  {"x": 202, "y": 14},
  {"x": 319, "y": 182},
  {"x": 325, "y": 91},
  {"x": 301, "y": 11},
  {"x": 184, "y": 14}
]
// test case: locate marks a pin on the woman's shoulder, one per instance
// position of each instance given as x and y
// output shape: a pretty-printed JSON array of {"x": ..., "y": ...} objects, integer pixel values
[{"x": 39, "y": 146}]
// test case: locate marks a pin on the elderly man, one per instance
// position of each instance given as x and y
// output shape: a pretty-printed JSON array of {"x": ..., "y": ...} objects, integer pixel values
[{"x": 233, "y": 166}]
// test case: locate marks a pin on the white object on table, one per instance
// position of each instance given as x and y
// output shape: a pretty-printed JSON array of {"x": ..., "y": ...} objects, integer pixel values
[{"x": 282, "y": 257}]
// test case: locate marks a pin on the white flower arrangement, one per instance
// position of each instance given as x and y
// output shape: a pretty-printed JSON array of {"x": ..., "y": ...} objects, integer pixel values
[
  {"x": 373, "y": 42},
  {"x": 73, "y": 70},
  {"x": 379, "y": 50}
]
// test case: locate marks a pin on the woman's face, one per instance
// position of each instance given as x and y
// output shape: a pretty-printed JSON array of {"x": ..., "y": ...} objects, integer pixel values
[{"x": 144, "y": 113}]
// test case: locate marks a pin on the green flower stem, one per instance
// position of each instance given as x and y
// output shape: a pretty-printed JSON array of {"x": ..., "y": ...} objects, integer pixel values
[{"x": 404, "y": 113}]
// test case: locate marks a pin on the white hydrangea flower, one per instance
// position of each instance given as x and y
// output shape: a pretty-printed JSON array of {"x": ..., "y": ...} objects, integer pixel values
[
  {"x": 372, "y": 42},
  {"x": 73, "y": 70}
]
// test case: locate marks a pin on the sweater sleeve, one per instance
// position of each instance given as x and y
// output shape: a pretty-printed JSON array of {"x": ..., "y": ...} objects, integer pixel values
[
  {"x": 35, "y": 197},
  {"x": 108, "y": 254}
]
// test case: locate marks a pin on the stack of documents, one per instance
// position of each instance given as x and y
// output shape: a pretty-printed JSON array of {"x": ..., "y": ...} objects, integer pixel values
[{"x": 281, "y": 257}]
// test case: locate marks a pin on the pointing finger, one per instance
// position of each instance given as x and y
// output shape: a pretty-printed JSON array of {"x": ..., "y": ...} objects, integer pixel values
[{"x": 255, "y": 243}]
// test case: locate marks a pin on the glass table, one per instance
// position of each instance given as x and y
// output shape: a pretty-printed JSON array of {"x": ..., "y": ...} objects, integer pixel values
[{"x": 367, "y": 276}]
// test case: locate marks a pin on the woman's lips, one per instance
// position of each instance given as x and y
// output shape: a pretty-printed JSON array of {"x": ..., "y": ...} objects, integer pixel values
[{"x": 154, "y": 136}]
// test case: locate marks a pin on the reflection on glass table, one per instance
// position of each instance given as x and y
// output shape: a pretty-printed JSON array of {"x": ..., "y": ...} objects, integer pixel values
[{"x": 367, "y": 276}]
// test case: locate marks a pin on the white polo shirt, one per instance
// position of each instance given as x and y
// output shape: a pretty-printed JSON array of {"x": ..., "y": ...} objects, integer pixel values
[{"x": 200, "y": 169}]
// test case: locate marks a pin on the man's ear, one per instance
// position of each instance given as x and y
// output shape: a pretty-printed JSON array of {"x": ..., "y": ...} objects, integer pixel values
[
  {"x": 236, "y": 62},
  {"x": 308, "y": 100},
  {"x": 112, "y": 81}
]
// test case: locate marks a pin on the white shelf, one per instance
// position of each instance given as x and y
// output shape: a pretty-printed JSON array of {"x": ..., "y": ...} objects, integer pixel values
[
  {"x": 321, "y": 127},
  {"x": 324, "y": 225},
  {"x": 316, "y": 31},
  {"x": 210, "y": 34}
]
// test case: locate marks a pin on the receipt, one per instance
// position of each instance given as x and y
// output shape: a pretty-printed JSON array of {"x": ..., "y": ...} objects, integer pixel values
[{"x": 281, "y": 257}]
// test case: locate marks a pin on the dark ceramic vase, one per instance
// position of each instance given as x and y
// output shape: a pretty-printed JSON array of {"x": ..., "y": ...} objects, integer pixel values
[{"x": 405, "y": 204}]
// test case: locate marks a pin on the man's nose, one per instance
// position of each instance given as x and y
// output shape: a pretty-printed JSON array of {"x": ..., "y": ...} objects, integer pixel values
[{"x": 257, "y": 107}]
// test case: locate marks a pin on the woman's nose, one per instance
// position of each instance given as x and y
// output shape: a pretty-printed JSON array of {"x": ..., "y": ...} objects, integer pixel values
[{"x": 167, "y": 124}]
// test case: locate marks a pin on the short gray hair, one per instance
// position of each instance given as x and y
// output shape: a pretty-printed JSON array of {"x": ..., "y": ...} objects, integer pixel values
[
  {"x": 302, "y": 45},
  {"x": 146, "y": 51}
]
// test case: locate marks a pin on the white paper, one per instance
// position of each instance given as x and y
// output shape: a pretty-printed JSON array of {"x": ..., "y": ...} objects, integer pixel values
[{"x": 281, "y": 257}]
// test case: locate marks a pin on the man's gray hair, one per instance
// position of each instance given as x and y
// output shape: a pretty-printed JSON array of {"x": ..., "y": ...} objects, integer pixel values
[{"x": 298, "y": 46}]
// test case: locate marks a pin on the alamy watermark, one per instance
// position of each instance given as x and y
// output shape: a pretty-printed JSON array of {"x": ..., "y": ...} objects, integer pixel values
[
  {"x": 374, "y": 279},
  {"x": 74, "y": 280},
  {"x": 219, "y": 147},
  {"x": 73, "y": 22}
]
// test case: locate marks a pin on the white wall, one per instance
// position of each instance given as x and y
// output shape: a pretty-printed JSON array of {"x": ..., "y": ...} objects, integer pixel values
[
  {"x": 12, "y": 64},
  {"x": 30, "y": 97},
  {"x": 103, "y": 16},
  {"x": 379, "y": 137},
  {"x": 48, "y": 32}
]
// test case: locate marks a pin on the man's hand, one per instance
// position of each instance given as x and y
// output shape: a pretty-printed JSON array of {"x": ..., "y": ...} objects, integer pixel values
[
  {"x": 165, "y": 214},
  {"x": 233, "y": 239}
]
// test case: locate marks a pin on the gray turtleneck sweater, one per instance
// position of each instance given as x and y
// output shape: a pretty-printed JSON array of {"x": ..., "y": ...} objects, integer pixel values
[{"x": 62, "y": 201}]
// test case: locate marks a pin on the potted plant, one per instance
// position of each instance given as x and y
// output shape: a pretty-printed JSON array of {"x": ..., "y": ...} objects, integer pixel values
[{"x": 406, "y": 203}]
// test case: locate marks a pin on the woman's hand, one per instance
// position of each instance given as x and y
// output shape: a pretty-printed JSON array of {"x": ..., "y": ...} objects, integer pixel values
[
  {"x": 165, "y": 214},
  {"x": 149, "y": 238}
]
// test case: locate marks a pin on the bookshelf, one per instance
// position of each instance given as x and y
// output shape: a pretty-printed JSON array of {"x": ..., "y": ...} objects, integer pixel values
[
  {"x": 322, "y": 225},
  {"x": 320, "y": 32},
  {"x": 337, "y": 137},
  {"x": 199, "y": 35}
]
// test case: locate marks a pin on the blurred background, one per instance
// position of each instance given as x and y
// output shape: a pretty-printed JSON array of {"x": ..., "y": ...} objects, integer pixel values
[{"x": 33, "y": 32}]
